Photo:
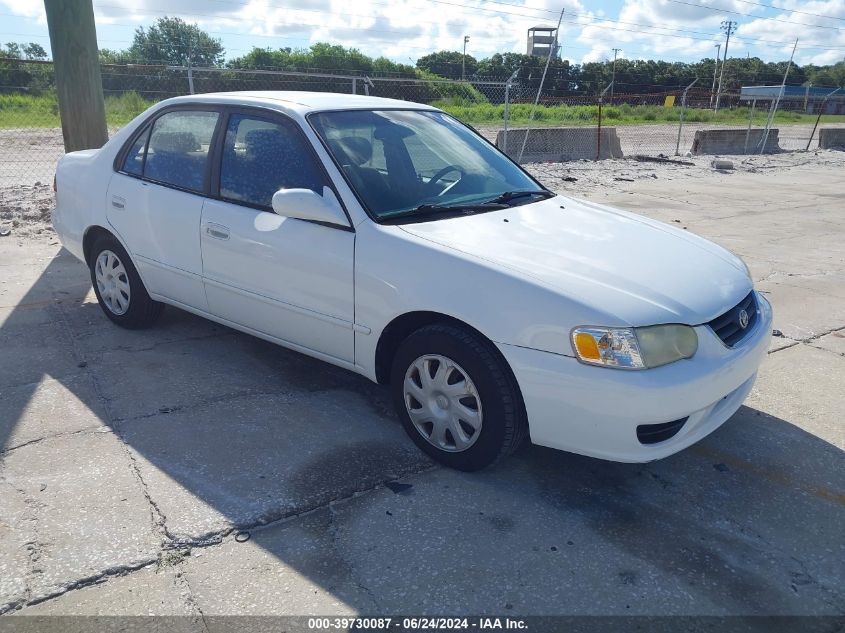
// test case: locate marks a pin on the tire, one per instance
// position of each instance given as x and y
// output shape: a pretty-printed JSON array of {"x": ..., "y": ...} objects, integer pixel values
[
  {"x": 120, "y": 291},
  {"x": 435, "y": 421}
]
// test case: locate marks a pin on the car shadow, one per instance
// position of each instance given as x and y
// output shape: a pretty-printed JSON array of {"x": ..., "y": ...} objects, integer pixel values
[{"x": 230, "y": 433}]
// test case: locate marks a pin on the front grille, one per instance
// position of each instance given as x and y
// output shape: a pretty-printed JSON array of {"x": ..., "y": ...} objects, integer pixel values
[
  {"x": 654, "y": 433},
  {"x": 728, "y": 326}
]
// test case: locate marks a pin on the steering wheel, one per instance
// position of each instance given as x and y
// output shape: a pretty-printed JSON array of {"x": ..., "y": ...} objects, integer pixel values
[{"x": 430, "y": 185}]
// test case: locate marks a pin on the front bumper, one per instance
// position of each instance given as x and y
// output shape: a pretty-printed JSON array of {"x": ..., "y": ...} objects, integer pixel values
[{"x": 595, "y": 411}]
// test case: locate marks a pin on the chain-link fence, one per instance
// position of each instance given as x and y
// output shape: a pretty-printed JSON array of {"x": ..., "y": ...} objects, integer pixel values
[{"x": 607, "y": 125}]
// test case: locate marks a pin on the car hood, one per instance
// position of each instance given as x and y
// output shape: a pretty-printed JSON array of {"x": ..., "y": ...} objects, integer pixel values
[{"x": 634, "y": 269}]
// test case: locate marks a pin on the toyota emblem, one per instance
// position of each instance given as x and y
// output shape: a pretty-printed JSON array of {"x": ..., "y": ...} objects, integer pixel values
[{"x": 743, "y": 319}]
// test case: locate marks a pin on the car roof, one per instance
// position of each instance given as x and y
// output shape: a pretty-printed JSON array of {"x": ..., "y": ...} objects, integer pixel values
[{"x": 301, "y": 101}]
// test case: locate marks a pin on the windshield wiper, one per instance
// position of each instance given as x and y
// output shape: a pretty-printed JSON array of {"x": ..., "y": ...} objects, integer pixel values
[
  {"x": 428, "y": 210},
  {"x": 507, "y": 196}
]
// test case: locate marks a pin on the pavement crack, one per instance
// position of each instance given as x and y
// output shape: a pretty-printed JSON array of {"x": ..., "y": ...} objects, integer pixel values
[
  {"x": 190, "y": 597},
  {"x": 153, "y": 346},
  {"x": 821, "y": 334},
  {"x": 39, "y": 440},
  {"x": 93, "y": 579},
  {"x": 333, "y": 533},
  {"x": 166, "y": 410},
  {"x": 158, "y": 518},
  {"x": 156, "y": 515},
  {"x": 780, "y": 349}
]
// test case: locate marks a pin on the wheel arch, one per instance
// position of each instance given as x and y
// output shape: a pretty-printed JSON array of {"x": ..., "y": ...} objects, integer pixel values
[
  {"x": 404, "y": 325},
  {"x": 95, "y": 231},
  {"x": 91, "y": 234}
]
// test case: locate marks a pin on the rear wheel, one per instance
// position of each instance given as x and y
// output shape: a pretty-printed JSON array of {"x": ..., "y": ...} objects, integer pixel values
[
  {"x": 456, "y": 397},
  {"x": 119, "y": 289}
]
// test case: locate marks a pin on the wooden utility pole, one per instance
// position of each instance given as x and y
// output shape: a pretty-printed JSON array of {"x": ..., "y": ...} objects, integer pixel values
[{"x": 76, "y": 64}]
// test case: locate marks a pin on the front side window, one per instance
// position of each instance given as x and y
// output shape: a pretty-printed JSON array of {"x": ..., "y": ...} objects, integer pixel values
[
  {"x": 261, "y": 156},
  {"x": 177, "y": 153},
  {"x": 402, "y": 163}
]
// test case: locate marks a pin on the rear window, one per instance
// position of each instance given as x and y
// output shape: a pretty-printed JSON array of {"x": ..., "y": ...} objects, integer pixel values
[
  {"x": 134, "y": 163},
  {"x": 178, "y": 149}
]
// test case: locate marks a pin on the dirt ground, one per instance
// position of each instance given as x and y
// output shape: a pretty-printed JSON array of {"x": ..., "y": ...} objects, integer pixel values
[
  {"x": 193, "y": 471},
  {"x": 25, "y": 209}
]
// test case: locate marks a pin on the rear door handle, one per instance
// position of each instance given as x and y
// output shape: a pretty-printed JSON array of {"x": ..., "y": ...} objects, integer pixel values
[
  {"x": 217, "y": 231},
  {"x": 117, "y": 202}
]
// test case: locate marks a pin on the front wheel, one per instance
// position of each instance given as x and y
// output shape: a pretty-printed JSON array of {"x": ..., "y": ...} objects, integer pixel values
[
  {"x": 456, "y": 397},
  {"x": 118, "y": 286}
]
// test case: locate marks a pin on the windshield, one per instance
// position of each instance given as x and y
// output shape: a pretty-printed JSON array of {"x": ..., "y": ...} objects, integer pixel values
[{"x": 404, "y": 163}]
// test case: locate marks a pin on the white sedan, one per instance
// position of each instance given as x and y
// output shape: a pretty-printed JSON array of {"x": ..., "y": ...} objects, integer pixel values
[{"x": 390, "y": 239}]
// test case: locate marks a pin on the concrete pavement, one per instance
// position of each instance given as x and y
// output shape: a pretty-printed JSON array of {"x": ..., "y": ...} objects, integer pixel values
[{"x": 190, "y": 470}]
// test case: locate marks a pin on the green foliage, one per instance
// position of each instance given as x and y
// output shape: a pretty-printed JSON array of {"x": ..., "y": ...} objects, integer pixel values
[
  {"x": 448, "y": 64},
  {"x": 23, "y": 51},
  {"x": 320, "y": 57},
  {"x": 624, "y": 114},
  {"x": 175, "y": 42}
]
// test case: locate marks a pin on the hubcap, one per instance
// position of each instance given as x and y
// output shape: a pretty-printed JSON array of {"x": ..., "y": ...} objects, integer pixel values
[
  {"x": 112, "y": 282},
  {"x": 443, "y": 403}
]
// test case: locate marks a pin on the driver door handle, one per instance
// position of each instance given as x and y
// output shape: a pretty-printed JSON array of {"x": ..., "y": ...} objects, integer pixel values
[{"x": 217, "y": 231}]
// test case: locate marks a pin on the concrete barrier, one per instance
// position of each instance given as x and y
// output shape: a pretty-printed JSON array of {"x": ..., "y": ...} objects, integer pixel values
[
  {"x": 734, "y": 141},
  {"x": 829, "y": 138},
  {"x": 560, "y": 144}
]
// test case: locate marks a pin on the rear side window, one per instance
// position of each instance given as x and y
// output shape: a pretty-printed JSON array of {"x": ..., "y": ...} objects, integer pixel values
[
  {"x": 134, "y": 163},
  {"x": 177, "y": 153},
  {"x": 261, "y": 156}
]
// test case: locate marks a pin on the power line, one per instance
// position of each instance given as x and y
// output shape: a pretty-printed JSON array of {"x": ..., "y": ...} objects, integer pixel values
[
  {"x": 769, "y": 6},
  {"x": 757, "y": 17}
]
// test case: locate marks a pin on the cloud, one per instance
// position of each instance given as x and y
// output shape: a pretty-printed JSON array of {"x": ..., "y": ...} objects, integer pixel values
[{"x": 403, "y": 29}]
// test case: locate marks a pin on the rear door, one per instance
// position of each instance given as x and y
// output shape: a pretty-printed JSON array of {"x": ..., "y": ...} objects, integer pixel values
[
  {"x": 155, "y": 200},
  {"x": 288, "y": 278}
]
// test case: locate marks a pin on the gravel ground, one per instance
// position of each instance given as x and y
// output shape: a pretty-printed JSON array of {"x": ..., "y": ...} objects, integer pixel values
[
  {"x": 29, "y": 155},
  {"x": 585, "y": 178},
  {"x": 25, "y": 208}
]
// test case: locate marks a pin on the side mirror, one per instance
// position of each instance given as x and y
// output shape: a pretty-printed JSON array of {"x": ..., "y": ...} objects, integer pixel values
[{"x": 305, "y": 204}]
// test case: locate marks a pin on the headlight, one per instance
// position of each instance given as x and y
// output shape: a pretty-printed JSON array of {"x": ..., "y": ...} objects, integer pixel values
[{"x": 634, "y": 348}]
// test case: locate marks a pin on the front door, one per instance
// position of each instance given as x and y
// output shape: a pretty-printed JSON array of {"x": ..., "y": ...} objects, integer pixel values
[
  {"x": 155, "y": 203},
  {"x": 287, "y": 278}
]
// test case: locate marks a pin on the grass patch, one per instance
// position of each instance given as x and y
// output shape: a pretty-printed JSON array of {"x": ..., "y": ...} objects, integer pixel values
[
  {"x": 623, "y": 114},
  {"x": 30, "y": 111},
  {"x": 26, "y": 111}
]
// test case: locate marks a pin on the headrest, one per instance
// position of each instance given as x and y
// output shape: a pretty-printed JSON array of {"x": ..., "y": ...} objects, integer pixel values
[
  {"x": 261, "y": 142},
  {"x": 358, "y": 149},
  {"x": 181, "y": 142}
]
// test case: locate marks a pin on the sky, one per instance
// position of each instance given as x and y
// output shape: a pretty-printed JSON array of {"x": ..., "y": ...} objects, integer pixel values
[{"x": 404, "y": 30}]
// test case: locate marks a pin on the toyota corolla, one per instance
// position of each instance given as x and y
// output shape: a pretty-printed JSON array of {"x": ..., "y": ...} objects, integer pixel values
[{"x": 392, "y": 240}]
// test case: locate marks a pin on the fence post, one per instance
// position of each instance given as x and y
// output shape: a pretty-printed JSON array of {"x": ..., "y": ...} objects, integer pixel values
[
  {"x": 190, "y": 78},
  {"x": 818, "y": 118},
  {"x": 539, "y": 90},
  {"x": 79, "y": 85},
  {"x": 681, "y": 122},
  {"x": 507, "y": 112},
  {"x": 355, "y": 85},
  {"x": 598, "y": 134},
  {"x": 750, "y": 116},
  {"x": 775, "y": 105}
]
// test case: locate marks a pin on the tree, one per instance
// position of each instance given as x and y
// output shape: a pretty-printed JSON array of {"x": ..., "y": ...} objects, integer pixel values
[
  {"x": 322, "y": 57},
  {"x": 23, "y": 51},
  {"x": 108, "y": 56},
  {"x": 448, "y": 64},
  {"x": 175, "y": 42}
]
